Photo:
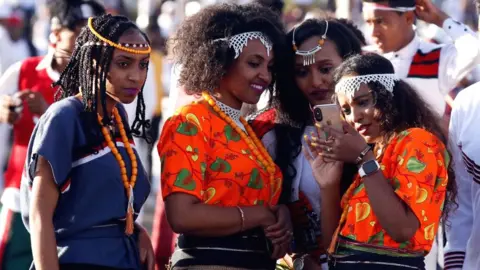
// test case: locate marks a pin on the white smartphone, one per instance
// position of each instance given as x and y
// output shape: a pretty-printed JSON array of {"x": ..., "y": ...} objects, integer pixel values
[{"x": 328, "y": 115}]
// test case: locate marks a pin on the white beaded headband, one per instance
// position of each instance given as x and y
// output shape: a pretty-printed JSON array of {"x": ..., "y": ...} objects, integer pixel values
[
  {"x": 375, "y": 6},
  {"x": 350, "y": 85},
  {"x": 240, "y": 41},
  {"x": 309, "y": 56}
]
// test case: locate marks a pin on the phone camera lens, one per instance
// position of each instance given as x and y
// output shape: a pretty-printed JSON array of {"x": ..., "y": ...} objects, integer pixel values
[{"x": 317, "y": 113}]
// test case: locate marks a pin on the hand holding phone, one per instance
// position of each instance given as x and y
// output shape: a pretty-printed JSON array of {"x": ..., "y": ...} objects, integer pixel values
[{"x": 328, "y": 114}]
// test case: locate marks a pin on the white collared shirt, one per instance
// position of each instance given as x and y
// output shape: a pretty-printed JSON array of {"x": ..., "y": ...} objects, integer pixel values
[
  {"x": 463, "y": 232},
  {"x": 457, "y": 59}
]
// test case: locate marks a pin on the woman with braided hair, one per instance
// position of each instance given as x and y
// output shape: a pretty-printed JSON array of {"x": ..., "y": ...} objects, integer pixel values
[{"x": 83, "y": 182}]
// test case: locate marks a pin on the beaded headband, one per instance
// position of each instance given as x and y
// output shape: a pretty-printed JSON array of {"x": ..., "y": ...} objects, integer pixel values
[
  {"x": 350, "y": 85},
  {"x": 375, "y": 6},
  {"x": 309, "y": 56},
  {"x": 239, "y": 41},
  {"x": 121, "y": 46}
]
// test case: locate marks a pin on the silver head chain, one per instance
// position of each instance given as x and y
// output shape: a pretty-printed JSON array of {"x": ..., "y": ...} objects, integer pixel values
[{"x": 309, "y": 56}]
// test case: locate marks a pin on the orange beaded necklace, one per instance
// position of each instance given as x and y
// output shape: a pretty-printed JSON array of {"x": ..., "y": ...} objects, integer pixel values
[
  {"x": 250, "y": 138},
  {"x": 129, "y": 185}
]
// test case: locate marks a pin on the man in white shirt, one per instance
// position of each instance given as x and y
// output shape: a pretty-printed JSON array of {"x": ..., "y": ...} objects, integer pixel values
[
  {"x": 463, "y": 233},
  {"x": 434, "y": 70}
]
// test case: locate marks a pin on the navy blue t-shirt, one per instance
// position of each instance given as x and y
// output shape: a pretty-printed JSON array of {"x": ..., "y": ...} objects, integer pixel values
[{"x": 90, "y": 213}]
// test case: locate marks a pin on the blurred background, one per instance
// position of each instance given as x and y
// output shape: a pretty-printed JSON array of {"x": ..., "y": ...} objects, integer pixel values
[{"x": 25, "y": 23}]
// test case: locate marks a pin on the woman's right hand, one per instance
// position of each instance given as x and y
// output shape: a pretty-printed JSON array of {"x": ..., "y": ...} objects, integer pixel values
[{"x": 327, "y": 172}]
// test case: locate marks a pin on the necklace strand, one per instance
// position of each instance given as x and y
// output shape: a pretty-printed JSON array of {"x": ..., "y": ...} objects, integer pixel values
[
  {"x": 255, "y": 145},
  {"x": 128, "y": 184}
]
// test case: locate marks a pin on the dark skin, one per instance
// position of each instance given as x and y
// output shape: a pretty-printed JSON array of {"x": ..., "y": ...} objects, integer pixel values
[
  {"x": 251, "y": 70},
  {"x": 64, "y": 45},
  {"x": 360, "y": 128},
  {"x": 315, "y": 80},
  {"x": 126, "y": 71},
  {"x": 391, "y": 30}
]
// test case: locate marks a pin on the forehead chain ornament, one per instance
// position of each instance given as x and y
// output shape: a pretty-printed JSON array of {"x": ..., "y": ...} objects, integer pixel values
[
  {"x": 309, "y": 56},
  {"x": 239, "y": 41}
]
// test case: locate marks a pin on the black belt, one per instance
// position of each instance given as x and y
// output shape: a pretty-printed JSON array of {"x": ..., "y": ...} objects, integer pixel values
[{"x": 249, "y": 249}]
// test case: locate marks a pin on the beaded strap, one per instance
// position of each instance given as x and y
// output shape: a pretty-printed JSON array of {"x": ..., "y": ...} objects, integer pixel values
[
  {"x": 128, "y": 184},
  {"x": 113, "y": 44},
  {"x": 255, "y": 145}
]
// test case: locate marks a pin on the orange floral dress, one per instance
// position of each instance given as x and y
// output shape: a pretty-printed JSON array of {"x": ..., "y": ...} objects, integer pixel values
[
  {"x": 205, "y": 157},
  {"x": 415, "y": 163}
]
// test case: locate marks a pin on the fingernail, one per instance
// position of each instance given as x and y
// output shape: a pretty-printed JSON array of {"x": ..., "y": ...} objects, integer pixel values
[
  {"x": 305, "y": 137},
  {"x": 315, "y": 139},
  {"x": 318, "y": 125},
  {"x": 313, "y": 144}
]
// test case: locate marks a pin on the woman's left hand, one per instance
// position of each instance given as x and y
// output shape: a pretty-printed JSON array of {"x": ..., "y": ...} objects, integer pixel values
[
  {"x": 280, "y": 233},
  {"x": 147, "y": 257},
  {"x": 342, "y": 146}
]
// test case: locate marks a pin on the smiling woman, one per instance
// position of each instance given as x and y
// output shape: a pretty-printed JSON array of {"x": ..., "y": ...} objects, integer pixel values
[
  {"x": 403, "y": 168},
  {"x": 219, "y": 184},
  {"x": 84, "y": 184},
  {"x": 319, "y": 46}
]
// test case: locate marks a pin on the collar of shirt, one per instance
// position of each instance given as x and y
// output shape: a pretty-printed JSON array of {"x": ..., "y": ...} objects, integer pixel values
[
  {"x": 405, "y": 53},
  {"x": 46, "y": 63}
]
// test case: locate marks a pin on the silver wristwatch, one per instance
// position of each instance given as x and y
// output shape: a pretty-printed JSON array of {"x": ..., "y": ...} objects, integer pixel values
[{"x": 298, "y": 264}]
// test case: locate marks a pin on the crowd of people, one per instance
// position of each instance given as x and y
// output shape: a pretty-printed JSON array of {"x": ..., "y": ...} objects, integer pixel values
[{"x": 314, "y": 145}]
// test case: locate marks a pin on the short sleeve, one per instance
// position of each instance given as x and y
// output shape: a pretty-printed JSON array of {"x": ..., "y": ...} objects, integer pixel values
[
  {"x": 182, "y": 151},
  {"x": 420, "y": 177},
  {"x": 53, "y": 139}
]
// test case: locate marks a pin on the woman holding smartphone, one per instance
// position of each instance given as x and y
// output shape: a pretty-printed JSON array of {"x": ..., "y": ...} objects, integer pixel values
[
  {"x": 319, "y": 47},
  {"x": 388, "y": 217}
]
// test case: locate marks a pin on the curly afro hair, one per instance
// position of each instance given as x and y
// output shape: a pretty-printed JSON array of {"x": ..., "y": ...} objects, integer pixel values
[{"x": 203, "y": 61}]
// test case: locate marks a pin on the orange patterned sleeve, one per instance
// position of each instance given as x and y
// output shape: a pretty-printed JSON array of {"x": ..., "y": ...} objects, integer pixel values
[
  {"x": 419, "y": 176},
  {"x": 182, "y": 151}
]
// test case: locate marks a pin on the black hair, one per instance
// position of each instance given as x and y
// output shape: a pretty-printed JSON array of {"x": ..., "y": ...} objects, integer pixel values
[
  {"x": 80, "y": 72},
  {"x": 357, "y": 32},
  {"x": 200, "y": 44},
  {"x": 275, "y": 5},
  {"x": 394, "y": 3},
  {"x": 69, "y": 13},
  {"x": 398, "y": 112},
  {"x": 293, "y": 108}
]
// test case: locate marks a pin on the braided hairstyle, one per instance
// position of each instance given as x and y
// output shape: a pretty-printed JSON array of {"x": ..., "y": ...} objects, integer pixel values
[{"x": 89, "y": 66}]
